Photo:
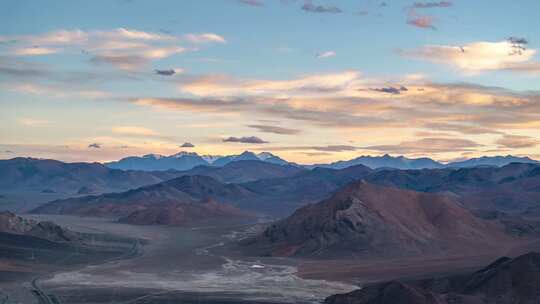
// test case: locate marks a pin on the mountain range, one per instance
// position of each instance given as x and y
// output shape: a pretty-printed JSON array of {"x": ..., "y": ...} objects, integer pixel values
[
  {"x": 188, "y": 160},
  {"x": 242, "y": 171},
  {"x": 351, "y": 212},
  {"x": 279, "y": 190},
  {"x": 284, "y": 189},
  {"x": 404, "y": 163}
]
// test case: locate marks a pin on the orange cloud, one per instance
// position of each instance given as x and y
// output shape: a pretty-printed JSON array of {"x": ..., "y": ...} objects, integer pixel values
[{"x": 477, "y": 57}]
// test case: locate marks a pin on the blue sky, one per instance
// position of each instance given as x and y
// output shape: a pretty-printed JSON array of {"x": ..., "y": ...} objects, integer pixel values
[{"x": 328, "y": 73}]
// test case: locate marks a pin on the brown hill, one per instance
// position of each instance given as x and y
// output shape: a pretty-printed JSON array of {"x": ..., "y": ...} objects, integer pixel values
[
  {"x": 182, "y": 190},
  {"x": 506, "y": 281},
  {"x": 363, "y": 219},
  {"x": 186, "y": 214}
]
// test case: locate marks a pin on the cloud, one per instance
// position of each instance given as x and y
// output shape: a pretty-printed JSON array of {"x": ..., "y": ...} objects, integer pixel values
[
  {"x": 135, "y": 61},
  {"x": 134, "y": 131},
  {"x": 195, "y": 104},
  {"x": 257, "y": 3},
  {"x": 21, "y": 69},
  {"x": 34, "y": 51},
  {"x": 334, "y": 148},
  {"x": 391, "y": 90},
  {"x": 323, "y": 9},
  {"x": 124, "y": 62},
  {"x": 121, "y": 47},
  {"x": 326, "y": 54},
  {"x": 275, "y": 129},
  {"x": 315, "y": 154},
  {"x": 94, "y": 146},
  {"x": 347, "y": 100},
  {"x": 56, "y": 91},
  {"x": 532, "y": 68},
  {"x": 326, "y": 149},
  {"x": 425, "y": 22},
  {"x": 245, "y": 139},
  {"x": 477, "y": 57},
  {"x": 187, "y": 145},
  {"x": 517, "y": 141},
  {"x": 220, "y": 85},
  {"x": 139, "y": 132},
  {"x": 205, "y": 38},
  {"x": 461, "y": 128},
  {"x": 433, "y": 4},
  {"x": 169, "y": 72},
  {"x": 32, "y": 122},
  {"x": 427, "y": 145}
]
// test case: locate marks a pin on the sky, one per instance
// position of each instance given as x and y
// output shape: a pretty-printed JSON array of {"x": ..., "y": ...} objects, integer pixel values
[{"x": 311, "y": 81}]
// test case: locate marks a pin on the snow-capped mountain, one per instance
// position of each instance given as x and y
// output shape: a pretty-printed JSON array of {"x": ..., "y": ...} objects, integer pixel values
[
  {"x": 211, "y": 158},
  {"x": 188, "y": 160},
  {"x": 271, "y": 158},
  {"x": 155, "y": 162}
]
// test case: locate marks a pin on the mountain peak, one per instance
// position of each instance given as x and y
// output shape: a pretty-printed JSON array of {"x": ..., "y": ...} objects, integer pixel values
[
  {"x": 247, "y": 153},
  {"x": 184, "y": 153},
  {"x": 265, "y": 155},
  {"x": 154, "y": 156}
]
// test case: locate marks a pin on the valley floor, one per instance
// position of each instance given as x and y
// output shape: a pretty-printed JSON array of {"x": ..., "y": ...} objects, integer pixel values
[
  {"x": 183, "y": 264},
  {"x": 195, "y": 265}
]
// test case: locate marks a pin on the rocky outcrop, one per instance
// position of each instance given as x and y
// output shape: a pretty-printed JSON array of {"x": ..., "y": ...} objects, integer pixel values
[
  {"x": 13, "y": 224},
  {"x": 505, "y": 281}
]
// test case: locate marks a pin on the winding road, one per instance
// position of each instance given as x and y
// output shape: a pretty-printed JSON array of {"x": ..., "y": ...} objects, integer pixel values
[
  {"x": 40, "y": 294},
  {"x": 44, "y": 298}
]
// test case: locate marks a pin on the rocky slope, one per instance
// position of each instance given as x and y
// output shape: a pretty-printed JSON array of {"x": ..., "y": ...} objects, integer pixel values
[
  {"x": 506, "y": 281},
  {"x": 206, "y": 211},
  {"x": 14, "y": 224}
]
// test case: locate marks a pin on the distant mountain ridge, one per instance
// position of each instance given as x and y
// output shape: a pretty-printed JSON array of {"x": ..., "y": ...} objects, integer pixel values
[
  {"x": 182, "y": 190},
  {"x": 187, "y": 160},
  {"x": 404, "y": 163},
  {"x": 26, "y": 182},
  {"x": 385, "y": 161},
  {"x": 497, "y": 161},
  {"x": 242, "y": 171}
]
